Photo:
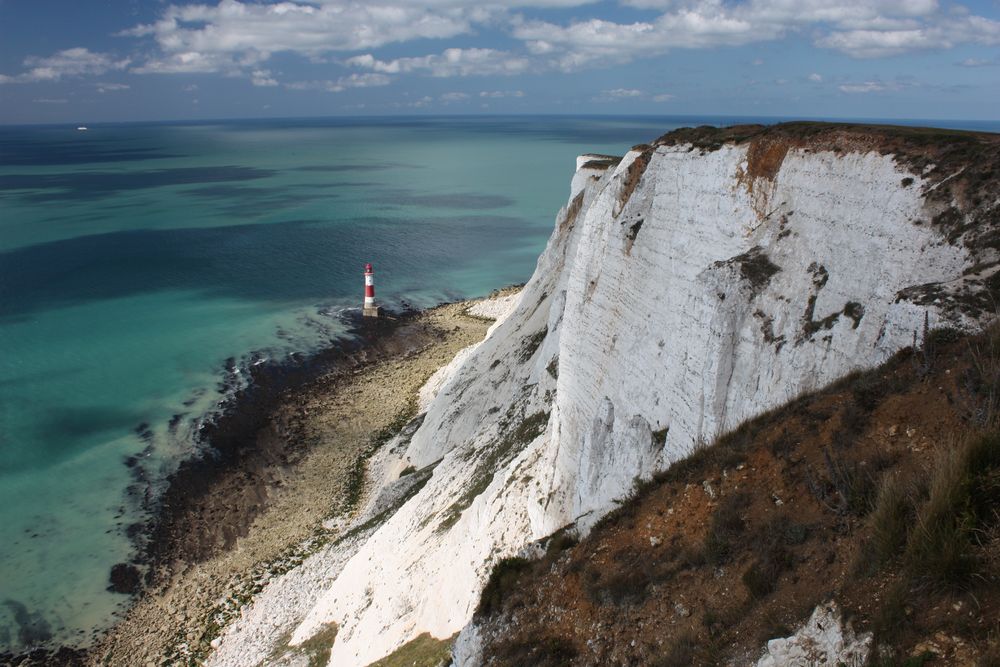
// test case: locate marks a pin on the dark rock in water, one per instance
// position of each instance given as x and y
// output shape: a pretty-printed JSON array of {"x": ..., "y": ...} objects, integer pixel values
[
  {"x": 144, "y": 431},
  {"x": 175, "y": 421},
  {"x": 125, "y": 578},
  {"x": 32, "y": 628},
  {"x": 135, "y": 530},
  {"x": 64, "y": 656}
]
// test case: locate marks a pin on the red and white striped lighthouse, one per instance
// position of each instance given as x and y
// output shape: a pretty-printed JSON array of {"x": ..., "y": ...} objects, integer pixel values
[{"x": 370, "y": 309}]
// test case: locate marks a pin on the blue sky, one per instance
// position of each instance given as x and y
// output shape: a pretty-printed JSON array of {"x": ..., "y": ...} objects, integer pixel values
[{"x": 120, "y": 60}]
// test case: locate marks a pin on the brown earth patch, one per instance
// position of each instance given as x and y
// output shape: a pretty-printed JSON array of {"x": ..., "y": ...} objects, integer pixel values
[
  {"x": 634, "y": 174},
  {"x": 738, "y": 543},
  {"x": 571, "y": 213},
  {"x": 764, "y": 158}
]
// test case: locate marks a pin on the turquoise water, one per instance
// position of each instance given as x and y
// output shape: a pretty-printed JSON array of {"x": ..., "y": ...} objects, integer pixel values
[{"x": 136, "y": 259}]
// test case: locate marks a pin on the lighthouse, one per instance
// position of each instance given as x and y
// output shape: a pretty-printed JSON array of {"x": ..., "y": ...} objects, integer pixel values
[{"x": 370, "y": 309}]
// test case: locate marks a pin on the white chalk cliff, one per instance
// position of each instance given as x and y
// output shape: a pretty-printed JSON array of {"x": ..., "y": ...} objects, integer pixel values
[{"x": 683, "y": 291}]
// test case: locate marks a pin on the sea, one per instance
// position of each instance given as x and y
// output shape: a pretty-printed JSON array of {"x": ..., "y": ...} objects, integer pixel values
[{"x": 141, "y": 264}]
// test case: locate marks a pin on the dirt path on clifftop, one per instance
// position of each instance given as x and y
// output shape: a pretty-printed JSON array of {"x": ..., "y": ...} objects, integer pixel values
[{"x": 321, "y": 428}]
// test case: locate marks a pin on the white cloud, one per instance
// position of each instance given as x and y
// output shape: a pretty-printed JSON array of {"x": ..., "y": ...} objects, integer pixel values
[
  {"x": 111, "y": 87},
  {"x": 618, "y": 94},
  {"x": 241, "y": 37},
  {"x": 454, "y": 97},
  {"x": 977, "y": 62},
  {"x": 859, "y": 28},
  {"x": 866, "y": 87},
  {"x": 234, "y": 27},
  {"x": 622, "y": 92},
  {"x": 873, "y": 86},
  {"x": 66, "y": 64},
  {"x": 495, "y": 94},
  {"x": 194, "y": 62},
  {"x": 367, "y": 80},
  {"x": 815, "y": 78},
  {"x": 450, "y": 62},
  {"x": 262, "y": 78},
  {"x": 50, "y": 100},
  {"x": 235, "y": 34}
]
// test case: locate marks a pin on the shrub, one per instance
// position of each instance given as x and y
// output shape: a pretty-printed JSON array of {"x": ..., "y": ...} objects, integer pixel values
[
  {"x": 726, "y": 528},
  {"x": 628, "y": 579},
  {"x": 772, "y": 555},
  {"x": 503, "y": 580},
  {"x": 890, "y": 619},
  {"x": 990, "y": 656},
  {"x": 890, "y": 521},
  {"x": 853, "y": 422},
  {"x": 963, "y": 495},
  {"x": 846, "y": 489}
]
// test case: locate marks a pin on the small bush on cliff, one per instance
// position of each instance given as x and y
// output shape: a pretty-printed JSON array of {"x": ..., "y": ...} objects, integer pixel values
[
  {"x": 503, "y": 580},
  {"x": 629, "y": 580},
  {"x": 726, "y": 529},
  {"x": 944, "y": 547},
  {"x": 772, "y": 554},
  {"x": 890, "y": 522}
]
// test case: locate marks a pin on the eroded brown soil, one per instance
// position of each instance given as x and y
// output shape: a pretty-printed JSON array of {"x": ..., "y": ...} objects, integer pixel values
[{"x": 739, "y": 543}]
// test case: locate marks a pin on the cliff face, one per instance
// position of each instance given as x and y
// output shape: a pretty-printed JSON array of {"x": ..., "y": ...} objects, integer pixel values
[{"x": 687, "y": 287}]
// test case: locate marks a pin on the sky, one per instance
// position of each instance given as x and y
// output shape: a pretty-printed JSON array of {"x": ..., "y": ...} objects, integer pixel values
[{"x": 78, "y": 61}]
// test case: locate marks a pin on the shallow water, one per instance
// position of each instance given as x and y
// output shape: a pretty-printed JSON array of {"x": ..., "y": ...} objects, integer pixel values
[{"x": 136, "y": 259}]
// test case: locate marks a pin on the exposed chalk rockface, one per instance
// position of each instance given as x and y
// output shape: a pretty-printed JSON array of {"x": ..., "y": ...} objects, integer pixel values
[
  {"x": 825, "y": 641},
  {"x": 693, "y": 284}
]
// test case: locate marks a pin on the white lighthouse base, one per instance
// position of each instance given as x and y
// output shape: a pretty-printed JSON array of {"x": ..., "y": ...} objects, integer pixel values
[{"x": 372, "y": 311}]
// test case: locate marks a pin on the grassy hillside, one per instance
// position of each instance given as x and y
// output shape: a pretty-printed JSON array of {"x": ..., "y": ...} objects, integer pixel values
[{"x": 881, "y": 491}]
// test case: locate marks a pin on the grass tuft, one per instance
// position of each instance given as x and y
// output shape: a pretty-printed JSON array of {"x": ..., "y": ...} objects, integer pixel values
[
  {"x": 726, "y": 529},
  {"x": 890, "y": 522},
  {"x": 944, "y": 546}
]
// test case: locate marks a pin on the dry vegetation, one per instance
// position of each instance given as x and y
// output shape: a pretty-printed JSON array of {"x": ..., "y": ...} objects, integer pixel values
[{"x": 881, "y": 491}]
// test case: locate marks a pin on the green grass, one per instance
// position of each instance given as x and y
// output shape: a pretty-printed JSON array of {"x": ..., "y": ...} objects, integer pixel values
[
  {"x": 890, "y": 522},
  {"x": 964, "y": 492},
  {"x": 317, "y": 648},
  {"x": 423, "y": 651}
]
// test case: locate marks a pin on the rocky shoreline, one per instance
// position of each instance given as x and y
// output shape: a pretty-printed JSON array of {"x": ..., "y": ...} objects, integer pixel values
[{"x": 276, "y": 463}]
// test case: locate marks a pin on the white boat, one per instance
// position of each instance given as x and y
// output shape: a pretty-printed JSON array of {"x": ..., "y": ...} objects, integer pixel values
[{"x": 82, "y": 128}]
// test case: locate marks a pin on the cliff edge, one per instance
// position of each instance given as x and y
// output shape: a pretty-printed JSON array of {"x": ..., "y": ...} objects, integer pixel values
[{"x": 695, "y": 283}]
